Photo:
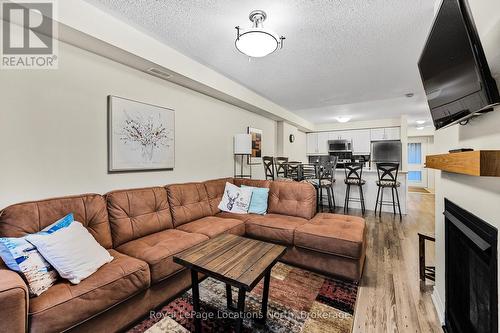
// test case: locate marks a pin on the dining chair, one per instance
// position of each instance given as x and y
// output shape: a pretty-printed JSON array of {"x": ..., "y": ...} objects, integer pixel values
[
  {"x": 293, "y": 170},
  {"x": 280, "y": 167},
  {"x": 309, "y": 171},
  {"x": 268, "y": 162}
]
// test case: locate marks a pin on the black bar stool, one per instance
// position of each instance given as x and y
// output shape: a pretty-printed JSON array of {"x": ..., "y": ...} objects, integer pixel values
[
  {"x": 387, "y": 178},
  {"x": 321, "y": 176},
  {"x": 326, "y": 178},
  {"x": 353, "y": 174}
]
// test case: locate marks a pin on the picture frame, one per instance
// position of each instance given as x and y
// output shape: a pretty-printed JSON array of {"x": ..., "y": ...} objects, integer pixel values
[
  {"x": 141, "y": 136},
  {"x": 256, "y": 157}
]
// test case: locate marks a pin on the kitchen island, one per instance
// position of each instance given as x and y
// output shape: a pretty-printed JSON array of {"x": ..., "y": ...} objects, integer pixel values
[{"x": 369, "y": 190}]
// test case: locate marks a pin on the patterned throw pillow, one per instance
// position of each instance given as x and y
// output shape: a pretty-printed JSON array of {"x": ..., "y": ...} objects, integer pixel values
[
  {"x": 23, "y": 257},
  {"x": 235, "y": 200}
]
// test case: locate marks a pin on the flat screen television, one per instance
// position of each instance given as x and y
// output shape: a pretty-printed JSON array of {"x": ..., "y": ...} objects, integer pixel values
[{"x": 453, "y": 68}]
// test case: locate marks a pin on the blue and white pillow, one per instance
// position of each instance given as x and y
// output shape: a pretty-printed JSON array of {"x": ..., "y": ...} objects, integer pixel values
[
  {"x": 258, "y": 203},
  {"x": 23, "y": 257}
]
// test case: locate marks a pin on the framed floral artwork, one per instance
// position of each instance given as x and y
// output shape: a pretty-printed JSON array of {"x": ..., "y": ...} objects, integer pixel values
[{"x": 141, "y": 136}]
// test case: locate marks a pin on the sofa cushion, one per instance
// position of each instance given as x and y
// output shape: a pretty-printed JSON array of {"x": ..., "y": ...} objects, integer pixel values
[
  {"x": 137, "y": 213},
  {"x": 65, "y": 304},
  {"x": 158, "y": 249},
  {"x": 188, "y": 202},
  {"x": 333, "y": 234},
  {"x": 274, "y": 227},
  {"x": 30, "y": 217},
  {"x": 212, "y": 226},
  {"x": 252, "y": 182},
  {"x": 215, "y": 191},
  {"x": 241, "y": 217},
  {"x": 293, "y": 199}
]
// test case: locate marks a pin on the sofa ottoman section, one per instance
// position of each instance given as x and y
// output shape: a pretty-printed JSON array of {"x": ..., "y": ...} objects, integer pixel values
[{"x": 334, "y": 235}]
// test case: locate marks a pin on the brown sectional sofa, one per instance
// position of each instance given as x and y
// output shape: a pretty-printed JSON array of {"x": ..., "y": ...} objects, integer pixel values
[{"x": 144, "y": 228}]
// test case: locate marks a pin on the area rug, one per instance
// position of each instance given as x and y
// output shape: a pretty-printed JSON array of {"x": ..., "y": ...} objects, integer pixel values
[{"x": 299, "y": 301}]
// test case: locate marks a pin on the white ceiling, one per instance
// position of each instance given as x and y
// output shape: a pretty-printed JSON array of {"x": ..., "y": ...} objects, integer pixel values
[{"x": 355, "y": 57}]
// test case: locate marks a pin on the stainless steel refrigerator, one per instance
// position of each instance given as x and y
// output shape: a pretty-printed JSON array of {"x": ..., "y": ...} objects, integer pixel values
[{"x": 386, "y": 151}]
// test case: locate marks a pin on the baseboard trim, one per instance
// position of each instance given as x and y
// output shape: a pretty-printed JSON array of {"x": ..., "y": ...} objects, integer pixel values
[{"x": 438, "y": 304}]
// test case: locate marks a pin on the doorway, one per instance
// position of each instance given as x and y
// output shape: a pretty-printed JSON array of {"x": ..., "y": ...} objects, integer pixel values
[{"x": 417, "y": 150}]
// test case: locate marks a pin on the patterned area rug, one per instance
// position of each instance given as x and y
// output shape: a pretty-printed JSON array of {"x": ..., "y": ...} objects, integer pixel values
[{"x": 299, "y": 301}]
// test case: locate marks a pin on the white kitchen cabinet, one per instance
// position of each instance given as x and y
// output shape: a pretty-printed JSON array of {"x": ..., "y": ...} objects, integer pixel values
[
  {"x": 388, "y": 133},
  {"x": 340, "y": 135},
  {"x": 323, "y": 138},
  {"x": 377, "y": 134},
  {"x": 361, "y": 142},
  {"x": 392, "y": 133},
  {"x": 312, "y": 143},
  {"x": 317, "y": 143}
]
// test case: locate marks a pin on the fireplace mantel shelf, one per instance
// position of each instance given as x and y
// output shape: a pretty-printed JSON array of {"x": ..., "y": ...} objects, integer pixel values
[{"x": 484, "y": 163}]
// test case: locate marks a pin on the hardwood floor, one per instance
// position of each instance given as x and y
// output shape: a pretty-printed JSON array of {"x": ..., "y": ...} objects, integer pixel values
[{"x": 390, "y": 298}]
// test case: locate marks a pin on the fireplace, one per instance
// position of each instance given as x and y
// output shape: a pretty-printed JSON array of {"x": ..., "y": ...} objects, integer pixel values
[{"x": 471, "y": 272}]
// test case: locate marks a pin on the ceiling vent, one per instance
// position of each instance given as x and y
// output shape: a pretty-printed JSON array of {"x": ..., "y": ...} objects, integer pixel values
[{"x": 159, "y": 73}]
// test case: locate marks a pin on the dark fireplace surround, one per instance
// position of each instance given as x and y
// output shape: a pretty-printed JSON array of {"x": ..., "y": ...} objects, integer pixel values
[{"x": 471, "y": 280}]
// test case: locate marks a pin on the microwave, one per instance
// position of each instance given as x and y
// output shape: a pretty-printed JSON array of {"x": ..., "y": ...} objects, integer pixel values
[{"x": 335, "y": 146}]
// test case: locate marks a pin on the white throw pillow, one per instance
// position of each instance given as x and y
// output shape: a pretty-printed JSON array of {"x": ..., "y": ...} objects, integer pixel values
[
  {"x": 21, "y": 256},
  {"x": 72, "y": 251},
  {"x": 235, "y": 199}
]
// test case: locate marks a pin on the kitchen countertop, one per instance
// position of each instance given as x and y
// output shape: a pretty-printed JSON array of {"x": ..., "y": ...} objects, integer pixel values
[
  {"x": 371, "y": 170},
  {"x": 370, "y": 190}
]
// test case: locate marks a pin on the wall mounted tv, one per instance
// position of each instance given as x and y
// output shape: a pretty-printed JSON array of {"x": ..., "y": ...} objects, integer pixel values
[{"x": 453, "y": 68}]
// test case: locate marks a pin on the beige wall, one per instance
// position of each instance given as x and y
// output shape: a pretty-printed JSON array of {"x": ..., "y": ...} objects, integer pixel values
[
  {"x": 295, "y": 151},
  {"x": 479, "y": 195},
  {"x": 53, "y": 129}
]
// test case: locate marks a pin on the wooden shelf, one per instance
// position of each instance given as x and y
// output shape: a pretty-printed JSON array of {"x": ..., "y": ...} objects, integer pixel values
[{"x": 474, "y": 163}]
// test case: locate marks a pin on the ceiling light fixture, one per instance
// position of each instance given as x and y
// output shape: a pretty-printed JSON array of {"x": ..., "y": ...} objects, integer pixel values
[
  {"x": 343, "y": 119},
  {"x": 409, "y": 95},
  {"x": 257, "y": 42},
  {"x": 420, "y": 122},
  {"x": 420, "y": 128}
]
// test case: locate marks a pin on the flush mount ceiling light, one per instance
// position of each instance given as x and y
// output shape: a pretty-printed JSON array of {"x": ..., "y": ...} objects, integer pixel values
[
  {"x": 343, "y": 119},
  {"x": 420, "y": 128},
  {"x": 420, "y": 122},
  {"x": 257, "y": 42}
]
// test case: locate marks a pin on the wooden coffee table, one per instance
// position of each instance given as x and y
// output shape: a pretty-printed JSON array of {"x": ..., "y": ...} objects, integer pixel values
[{"x": 239, "y": 262}]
